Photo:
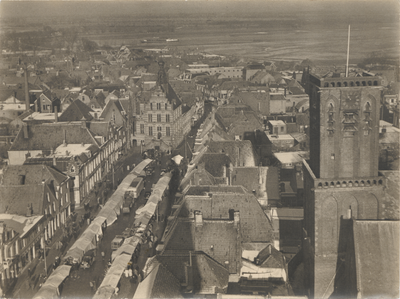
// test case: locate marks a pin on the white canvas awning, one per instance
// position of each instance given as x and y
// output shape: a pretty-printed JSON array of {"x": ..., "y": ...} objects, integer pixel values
[
  {"x": 50, "y": 287},
  {"x": 177, "y": 159},
  {"x": 141, "y": 166}
]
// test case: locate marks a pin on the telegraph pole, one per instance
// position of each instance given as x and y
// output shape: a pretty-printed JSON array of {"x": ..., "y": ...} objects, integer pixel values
[{"x": 27, "y": 102}]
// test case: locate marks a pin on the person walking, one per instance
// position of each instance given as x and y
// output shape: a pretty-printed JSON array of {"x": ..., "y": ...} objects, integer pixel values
[{"x": 91, "y": 285}]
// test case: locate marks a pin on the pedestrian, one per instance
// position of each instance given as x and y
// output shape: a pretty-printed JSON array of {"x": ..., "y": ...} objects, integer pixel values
[
  {"x": 126, "y": 272},
  {"x": 29, "y": 272},
  {"x": 91, "y": 285}
]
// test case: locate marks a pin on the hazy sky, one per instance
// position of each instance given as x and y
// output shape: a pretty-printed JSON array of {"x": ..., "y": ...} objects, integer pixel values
[{"x": 369, "y": 8}]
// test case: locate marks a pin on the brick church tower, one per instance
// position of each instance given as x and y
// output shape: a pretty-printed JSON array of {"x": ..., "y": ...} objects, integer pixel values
[{"x": 341, "y": 179}]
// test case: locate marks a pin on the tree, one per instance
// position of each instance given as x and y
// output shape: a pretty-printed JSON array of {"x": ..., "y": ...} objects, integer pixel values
[{"x": 88, "y": 45}]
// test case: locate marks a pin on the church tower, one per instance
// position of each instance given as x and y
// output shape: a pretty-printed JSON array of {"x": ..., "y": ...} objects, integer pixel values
[{"x": 341, "y": 178}]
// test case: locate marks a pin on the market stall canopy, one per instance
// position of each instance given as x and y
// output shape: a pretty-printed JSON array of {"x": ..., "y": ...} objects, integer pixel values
[
  {"x": 75, "y": 254},
  {"x": 50, "y": 287},
  {"x": 141, "y": 166},
  {"x": 177, "y": 159},
  {"x": 109, "y": 214},
  {"x": 46, "y": 292}
]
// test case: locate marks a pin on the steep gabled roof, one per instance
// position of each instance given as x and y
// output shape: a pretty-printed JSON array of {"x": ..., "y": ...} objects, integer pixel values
[
  {"x": 116, "y": 103},
  {"x": 269, "y": 257},
  {"x": 50, "y": 136},
  {"x": 207, "y": 273},
  {"x": 219, "y": 239},
  {"x": 159, "y": 283},
  {"x": 100, "y": 99},
  {"x": 377, "y": 251},
  {"x": 33, "y": 174},
  {"x": 76, "y": 111},
  {"x": 214, "y": 163},
  {"x": 254, "y": 224},
  {"x": 15, "y": 199}
]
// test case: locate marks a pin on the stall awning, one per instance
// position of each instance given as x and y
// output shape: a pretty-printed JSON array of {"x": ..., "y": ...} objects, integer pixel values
[
  {"x": 141, "y": 166},
  {"x": 50, "y": 287}
]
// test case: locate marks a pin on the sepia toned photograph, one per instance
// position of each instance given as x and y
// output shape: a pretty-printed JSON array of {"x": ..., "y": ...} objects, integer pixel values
[{"x": 225, "y": 149}]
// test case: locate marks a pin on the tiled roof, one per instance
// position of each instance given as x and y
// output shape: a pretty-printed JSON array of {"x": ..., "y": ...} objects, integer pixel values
[
  {"x": 75, "y": 112},
  {"x": 125, "y": 104},
  {"x": 100, "y": 99},
  {"x": 271, "y": 258},
  {"x": 249, "y": 177},
  {"x": 33, "y": 174},
  {"x": 219, "y": 239},
  {"x": 159, "y": 283},
  {"x": 15, "y": 199},
  {"x": 255, "y": 226},
  {"x": 207, "y": 273},
  {"x": 239, "y": 152},
  {"x": 377, "y": 257},
  {"x": 50, "y": 136},
  {"x": 214, "y": 163},
  {"x": 99, "y": 128}
]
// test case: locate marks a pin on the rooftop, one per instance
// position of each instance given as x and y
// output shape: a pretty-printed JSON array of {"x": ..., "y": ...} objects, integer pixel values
[
  {"x": 20, "y": 224},
  {"x": 377, "y": 251},
  {"x": 291, "y": 157},
  {"x": 73, "y": 149}
]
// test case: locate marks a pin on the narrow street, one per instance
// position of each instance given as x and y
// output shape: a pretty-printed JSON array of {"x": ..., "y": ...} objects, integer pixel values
[
  {"x": 25, "y": 286},
  {"x": 78, "y": 283}
]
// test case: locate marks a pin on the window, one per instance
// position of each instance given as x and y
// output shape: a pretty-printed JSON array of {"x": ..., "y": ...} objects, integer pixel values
[
  {"x": 166, "y": 106},
  {"x": 158, "y": 106},
  {"x": 150, "y": 118},
  {"x": 44, "y": 107},
  {"x": 168, "y": 131},
  {"x": 159, "y": 129},
  {"x": 282, "y": 129},
  {"x": 159, "y": 118},
  {"x": 151, "y": 106},
  {"x": 167, "y": 118},
  {"x": 141, "y": 128},
  {"x": 150, "y": 131}
]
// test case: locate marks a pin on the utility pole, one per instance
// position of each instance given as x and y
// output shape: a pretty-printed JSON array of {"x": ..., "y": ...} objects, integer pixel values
[
  {"x": 27, "y": 102},
  {"x": 128, "y": 131}
]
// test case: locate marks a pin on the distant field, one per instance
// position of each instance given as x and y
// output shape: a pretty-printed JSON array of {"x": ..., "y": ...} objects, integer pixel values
[
  {"x": 324, "y": 46},
  {"x": 261, "y": 30}
]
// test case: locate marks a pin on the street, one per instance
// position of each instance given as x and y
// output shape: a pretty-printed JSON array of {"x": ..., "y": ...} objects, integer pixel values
[{"x": 78, "y": 283}]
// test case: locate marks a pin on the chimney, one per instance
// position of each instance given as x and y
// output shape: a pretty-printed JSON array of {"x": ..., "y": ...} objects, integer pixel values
[
  {"x": 28, "y": 211},
  {"x": 65, "y": 138},
  {"x": 55, "y": 114},
  {"x": 198, "y": 218},
  {"x": 27, "y": 103},
  {"x": 189, "y": 274},
  {"x": 25, "y": 128},
  {"x": 236, "y": 218}
]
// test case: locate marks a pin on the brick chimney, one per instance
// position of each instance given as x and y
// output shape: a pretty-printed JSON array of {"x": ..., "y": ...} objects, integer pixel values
[
  {"x": 236, "y": 218},
  {"x": 28, "y": 211},
  {"x": 189, "y": 275},
  {"x": 198, "y": 218},
  {"x": 55, "y": 114}
]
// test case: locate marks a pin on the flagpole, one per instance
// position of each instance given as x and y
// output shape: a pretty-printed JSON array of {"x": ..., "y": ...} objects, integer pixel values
[{"x": 348, "y": 52}]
